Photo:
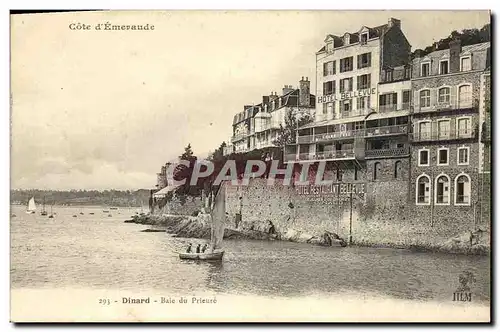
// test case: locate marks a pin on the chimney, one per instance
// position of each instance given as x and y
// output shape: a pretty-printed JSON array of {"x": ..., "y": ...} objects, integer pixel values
[
  {"x": 455, "y": 50},
  {"x": 394, "y": 22},
  {"x": 287, "y": 89},
  {"x": 265, "y": 100},
  {"x": 304, "y": 92}
]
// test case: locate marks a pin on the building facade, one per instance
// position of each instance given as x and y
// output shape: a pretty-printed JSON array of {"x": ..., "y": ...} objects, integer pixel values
[
  {"x": 363, "y": 90},
  {"x": 445, "y": 142},
  {"x": 258, "y": 126}
]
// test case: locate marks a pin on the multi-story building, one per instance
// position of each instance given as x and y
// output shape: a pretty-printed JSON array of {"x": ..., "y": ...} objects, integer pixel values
[
  {"x": 363, "y": 103},
  {"x": 445, "y": 158},
  {"x": 258, "y": 126}
]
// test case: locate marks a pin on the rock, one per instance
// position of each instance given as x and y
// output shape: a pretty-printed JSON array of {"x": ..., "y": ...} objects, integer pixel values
[{"x": 153, "y": 230}]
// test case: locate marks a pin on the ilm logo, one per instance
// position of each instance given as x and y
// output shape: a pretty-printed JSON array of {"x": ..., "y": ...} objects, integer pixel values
[
  {"x": 463, "y": 293},
  {"x": 461, "y": 296}
]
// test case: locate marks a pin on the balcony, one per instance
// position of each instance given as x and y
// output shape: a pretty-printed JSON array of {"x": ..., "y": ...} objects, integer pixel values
[
  {"x": 387, "y": 130},
  {"x": 325, "y": 155},
  {"x": 325, "y": 137},
  {"x": 352, "y": 113},
  {"x": 238, "y": 137},
  {"x": 395, "y": 152},
  {"x": 387, "y": 108},
  {"x": 435, "y": 135},
  {"x": 446, "y": 105}
]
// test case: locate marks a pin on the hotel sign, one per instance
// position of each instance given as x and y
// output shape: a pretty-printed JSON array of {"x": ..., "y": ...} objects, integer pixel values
[
  {"x": 333, "y": 194},
  {"x": 346, "y": 95}
]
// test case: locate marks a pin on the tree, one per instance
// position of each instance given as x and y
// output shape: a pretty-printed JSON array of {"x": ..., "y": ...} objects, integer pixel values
[
  {"x": 286, "y": 134},
  {"x": 182, "y": 172}
]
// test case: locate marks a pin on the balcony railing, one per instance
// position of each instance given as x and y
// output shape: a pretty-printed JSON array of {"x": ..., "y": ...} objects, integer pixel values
[
  {"x": 325, "y": 137},
  {"x": 442, "y": 135},
  {"x": 445, "y": 105},
  {"x": 387, "y": 108},
  {"x": 395, "y": 152},
  {"x": 239, "y": 137},
  {"x": 356, "y": 112},
  {"x": 325, "y": 155},
  {"x": 387, "y": 130},
  {"x": 369, "y": 132}
]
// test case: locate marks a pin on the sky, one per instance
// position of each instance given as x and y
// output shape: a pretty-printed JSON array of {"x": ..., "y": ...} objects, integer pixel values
[{"x": 105, "y": 109}]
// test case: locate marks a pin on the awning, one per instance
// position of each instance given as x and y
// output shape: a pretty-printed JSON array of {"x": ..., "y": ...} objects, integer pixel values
[{"x": 165, "y": 191}]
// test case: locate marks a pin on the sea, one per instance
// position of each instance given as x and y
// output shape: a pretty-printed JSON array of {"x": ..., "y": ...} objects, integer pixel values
[{"x": 82, "y": 264}]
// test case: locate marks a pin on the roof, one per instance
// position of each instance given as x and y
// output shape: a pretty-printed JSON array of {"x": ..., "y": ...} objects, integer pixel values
[
  {"x": 465, "y": 50},
  {"x": 354, "y": 36}
]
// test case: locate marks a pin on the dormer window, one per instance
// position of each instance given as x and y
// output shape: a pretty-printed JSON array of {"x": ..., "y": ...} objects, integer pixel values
[
  {"x": 425, "y": 69},
  {"x": 465, "y": 63},
  {"x": 265, "y": 108},
  {"x": 273, "y": 105},
  {"x": 444, "y": 67},
  {"x": 279, "y": 102},
  {"x": 347, "y": 39},
  {"x": 329, "y": 47},
  {"x": 364, "y": 38}
]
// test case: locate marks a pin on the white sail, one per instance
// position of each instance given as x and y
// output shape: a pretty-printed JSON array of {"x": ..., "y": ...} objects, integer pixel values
[
  {"x": 31, "y": 204},
  {"x": 218, "y": 216}
]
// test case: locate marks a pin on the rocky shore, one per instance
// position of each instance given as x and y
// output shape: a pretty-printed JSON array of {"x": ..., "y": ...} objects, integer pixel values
[
  {"x": 199, "y": 227},
  {"x": 471, "y": 243}
]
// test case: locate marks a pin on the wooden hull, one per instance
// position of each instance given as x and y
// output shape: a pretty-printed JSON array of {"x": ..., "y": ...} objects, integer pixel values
[{"x": 214, "y": 256}]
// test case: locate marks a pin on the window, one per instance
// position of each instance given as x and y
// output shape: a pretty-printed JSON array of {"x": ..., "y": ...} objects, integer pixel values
[
  {"x": 329, "y": 47},
  {"x": 443, "y": 67},
  {"x": 397, "y": 169},
  {"x": 346, "y": 64},
  {"x": 442, "y": 190},
  {"x": 424, "y": 130},
  {"x": 464, "y": 127},
  {"x": 423, "y": 190},
  {"x": 443, "y": 129},
  {"x": 464, "y": 96},
  {"x": 423, "y": 157},
  {"x": 465, "y": 64},
  {"x": 425, "y": 98},
  {"x": 329, "y": 107},
  {"x": 363, "y": 103},
  {"x": 406, "y": 99},
  {"x": 346, "y": 85},
  {"x": 463, "y": 155},
  {"x": 462, "y": 190},
  {"x": 444, "y": 95},
  {"x": 280, "y": 102},
  {"x": 355, "y": 173},
  {"x": 364, "y": 81},
  {"x": 328, "y": 88},
  {"x": 325, "y": 108},
  {"x": 442, "y": 157},
  {"x": 376, "y": 171},
  {"x": 329, "y": 68},
  {"x": 364, "y": 60},
  {"x": 346, "y": 105},
  {"x": 388, "y": 75},
  {"x": 424, "y": 69},
  {"x": 364, "y": 38},
  {"x": 388, "y": 102}
]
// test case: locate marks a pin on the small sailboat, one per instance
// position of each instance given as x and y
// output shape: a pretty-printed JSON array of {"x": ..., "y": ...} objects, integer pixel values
[
  {"x": 31, "y": 206},
  {"x": 218, "y": 215},
  {"x": 43, "y": 213},
  {"x": 51, "y": 213}
]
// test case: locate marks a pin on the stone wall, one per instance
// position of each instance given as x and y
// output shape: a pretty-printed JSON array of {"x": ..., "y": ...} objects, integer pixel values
[{"x": 177, "y": 206}]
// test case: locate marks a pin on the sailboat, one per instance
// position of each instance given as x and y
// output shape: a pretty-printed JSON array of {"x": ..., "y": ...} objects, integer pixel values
[
  {"x": 51, "y": 213},
  {"x": 218, "y": 215},
  {"x": 31, "y": 206},
  {"x": 43, "y": 213}
]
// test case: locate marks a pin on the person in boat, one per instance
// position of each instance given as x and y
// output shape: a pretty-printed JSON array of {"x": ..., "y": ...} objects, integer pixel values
[
  {"x": 189, "y": 248},
  {"x": 198, "y": 248},
  {"x": 205, "y": 246}
]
